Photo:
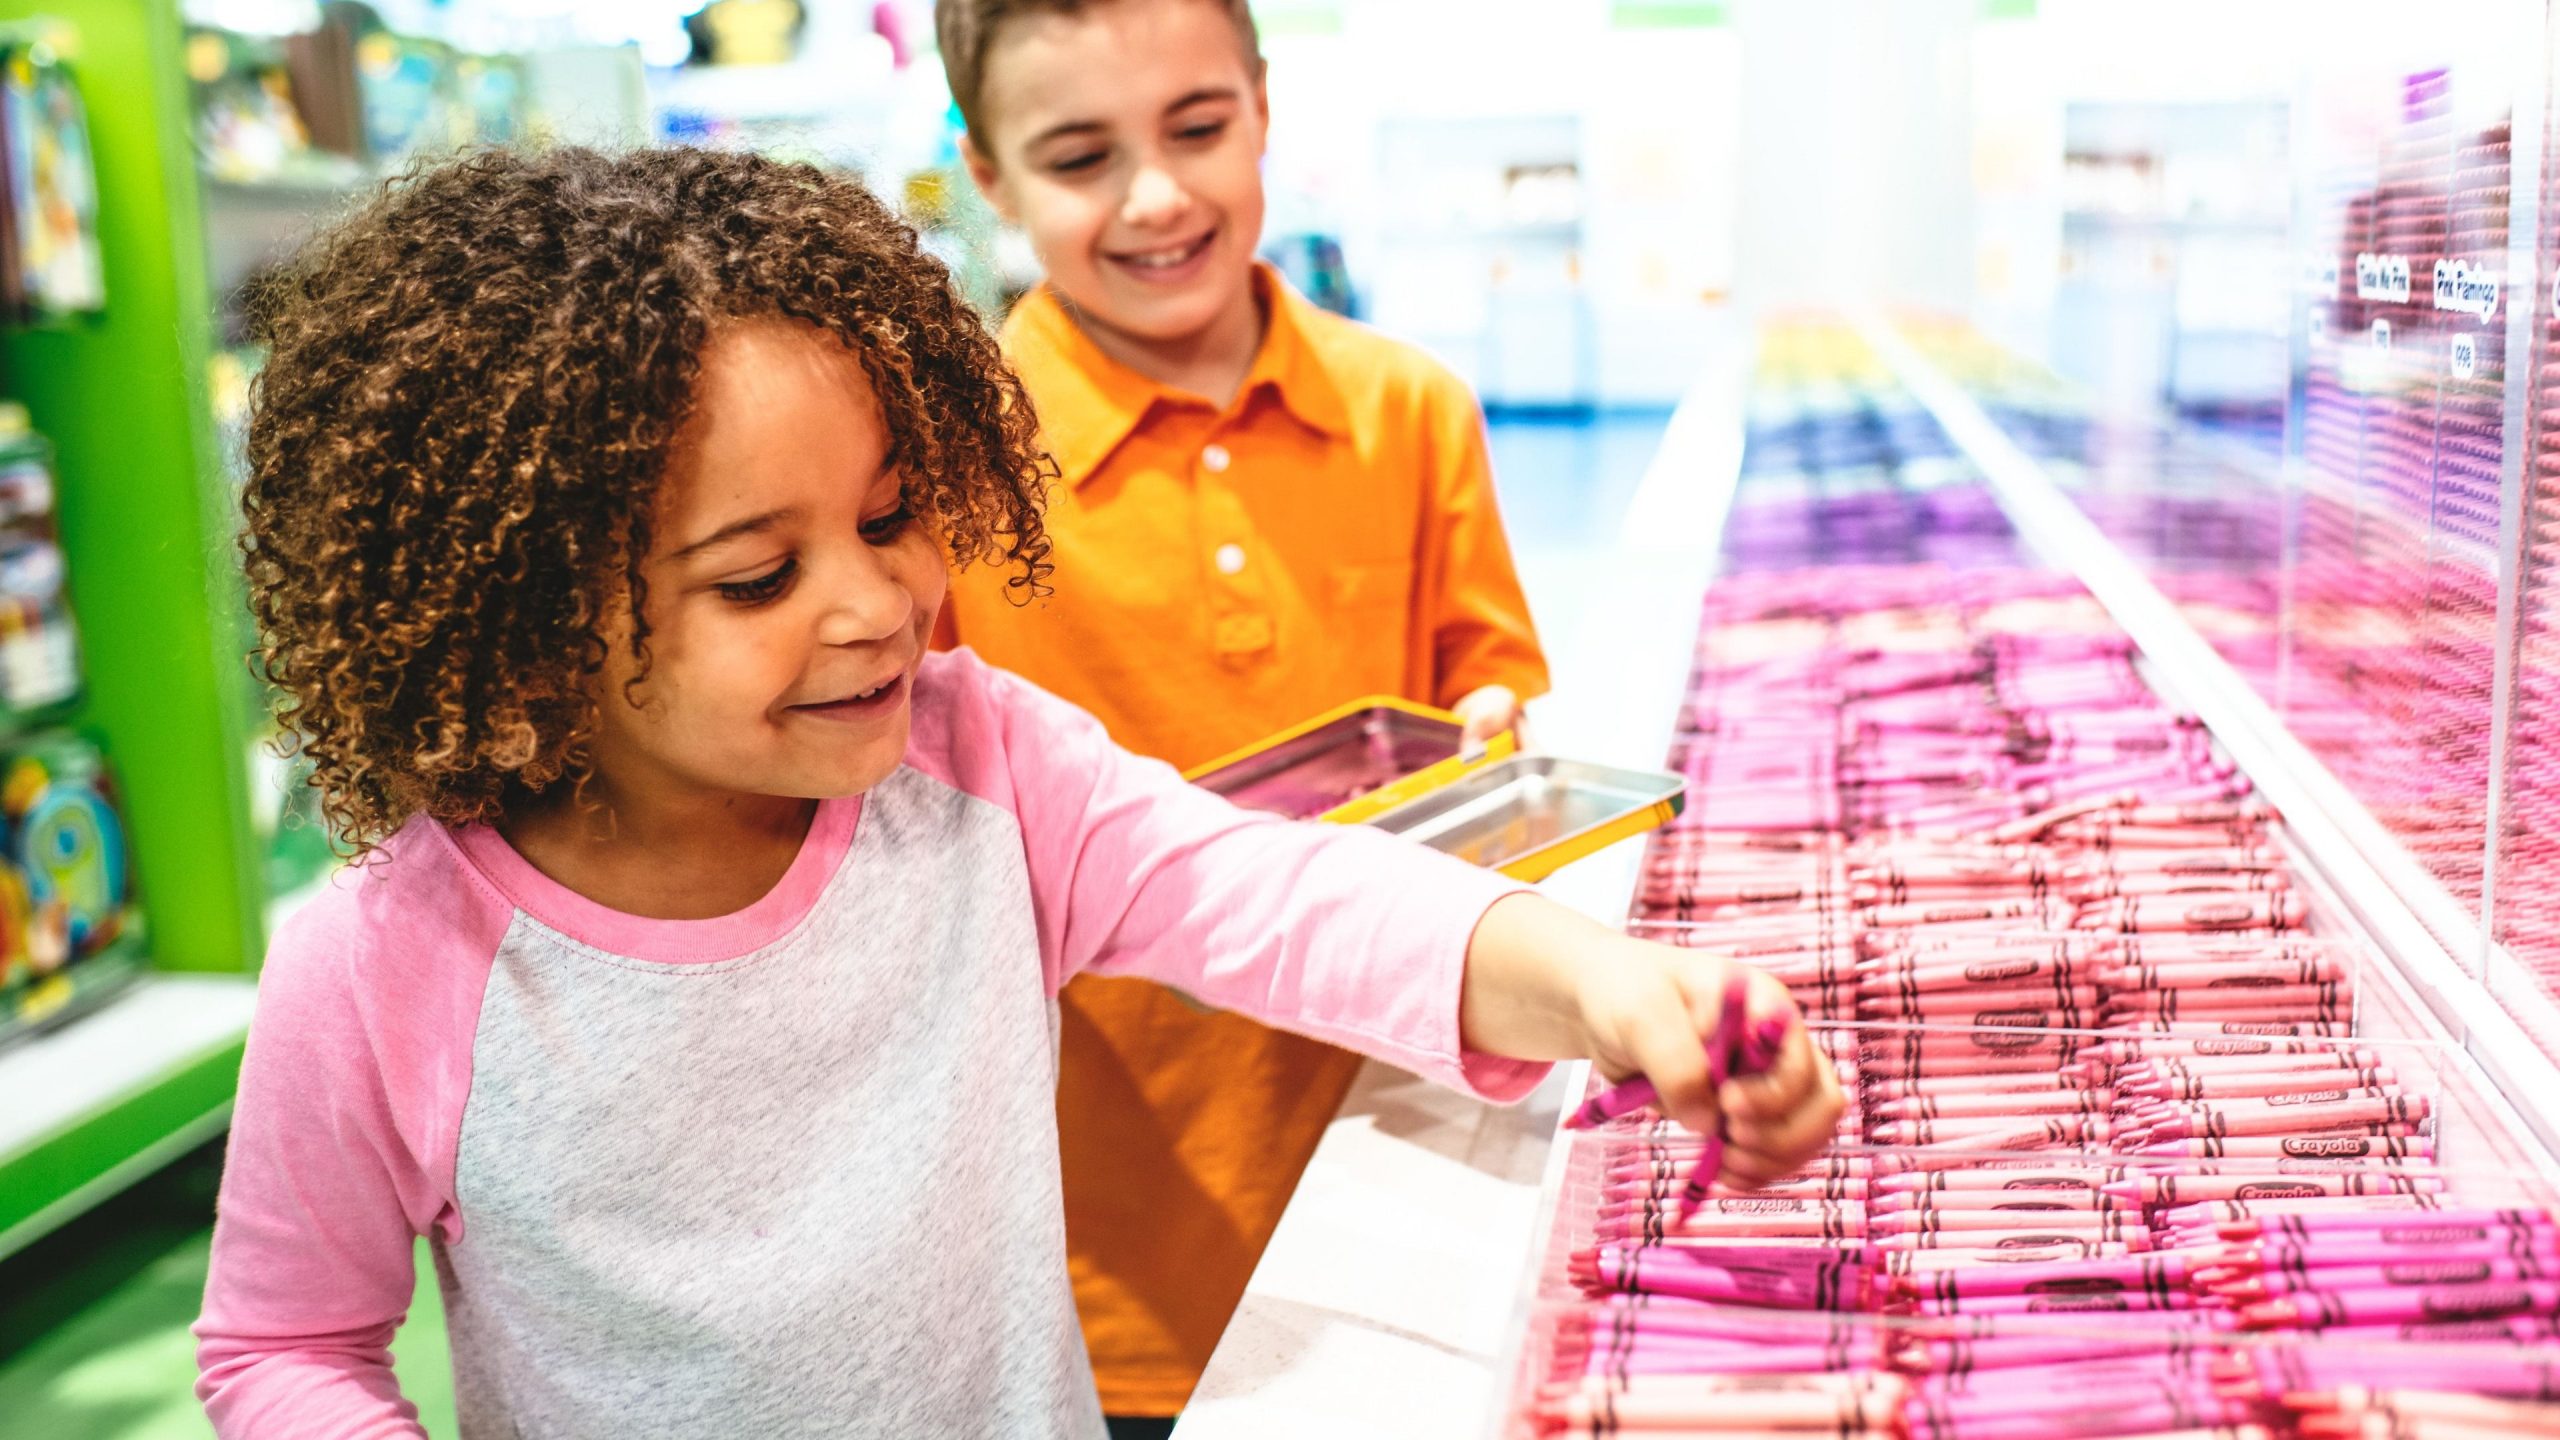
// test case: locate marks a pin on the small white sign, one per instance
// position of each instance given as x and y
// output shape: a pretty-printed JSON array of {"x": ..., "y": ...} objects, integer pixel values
[
  {"x": 2382, "y": 336},
  {"x": 2466, "y": 355},
  {"x": 2382, "y": 277},
  {"x": 2464, "y": 290}
]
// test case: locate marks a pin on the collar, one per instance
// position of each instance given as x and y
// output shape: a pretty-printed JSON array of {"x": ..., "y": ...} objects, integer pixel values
[{"x": 1090, "y": 403}]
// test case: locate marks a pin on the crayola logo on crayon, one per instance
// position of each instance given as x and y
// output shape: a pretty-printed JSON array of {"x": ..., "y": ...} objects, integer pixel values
[
  {"x": 2045, "y": 1182},
  {"x": 2277, "y": 1190},
  {"x": 2023, "y": 1242},
  {"x": 2029, "y": 1205},
  {"x": 2432, "y": 1234},
  {"x": 1760, "y": 1207},
  {"x": 2007, "y": 1042},
  {"x": 2307, "y": 1097},
  {"x": 2456, "y": 1330},
  {"x": 2000, "y": 970},
  {"x": 1955, "y": 914},
  {"x": 2259, "y": 1027},
  {"x": 2064, "y": 1304},
  {"x": 2475, "y": 1304},
  {"x": 2232, "y": 912},
  {"x": 2091, "y": 1286},
  {"x": 2234, "y": 1047},
  {"x": 2244, "y": 982},
  {"x": 2441, "y": 1272},
  {"x": 1772, "y": 896},
  {"x": 2328, "y": 1149},
  {"x": 2013, "y": 1018}
]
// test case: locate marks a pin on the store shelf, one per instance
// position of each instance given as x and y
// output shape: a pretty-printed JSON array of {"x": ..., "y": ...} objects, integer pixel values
[{"x": 114, "y": 1094}]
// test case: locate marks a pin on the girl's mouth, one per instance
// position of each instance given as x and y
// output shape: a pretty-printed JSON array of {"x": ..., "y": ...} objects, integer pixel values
[{"x": 878, "y": 700}]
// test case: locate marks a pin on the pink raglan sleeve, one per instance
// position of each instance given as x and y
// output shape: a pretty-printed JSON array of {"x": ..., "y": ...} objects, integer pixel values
[
  {"x": 330, "y": 1177},
  {"x": 1336, "y": 932}
]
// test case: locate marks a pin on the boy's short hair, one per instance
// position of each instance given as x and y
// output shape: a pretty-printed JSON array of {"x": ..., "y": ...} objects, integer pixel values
[
  {"x": 473, "y": 390},
  {"x": 966, "y": 29}
]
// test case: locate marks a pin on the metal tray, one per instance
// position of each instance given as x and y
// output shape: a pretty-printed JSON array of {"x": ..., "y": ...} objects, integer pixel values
[
  {"x": 1531, "y": 815},
  {"x": 1354, "y": 758}
]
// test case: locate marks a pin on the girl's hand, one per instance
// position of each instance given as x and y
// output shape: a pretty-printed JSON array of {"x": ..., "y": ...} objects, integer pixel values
[
  {"x": 1545, "y": 983},
  {"x": 1488, "y": 711},
  {"x": 1647, "y": 1012}
]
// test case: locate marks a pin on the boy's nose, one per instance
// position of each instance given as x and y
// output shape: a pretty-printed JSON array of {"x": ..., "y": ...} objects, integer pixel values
[{"x": 1154, "y": 197}]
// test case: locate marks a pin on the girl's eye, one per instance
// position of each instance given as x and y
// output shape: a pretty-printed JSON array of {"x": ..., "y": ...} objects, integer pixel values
[
  {"x": 762, "y": 588},
  {"x": 889, "y": 527},
  {"x": 1076, "y": 164}
]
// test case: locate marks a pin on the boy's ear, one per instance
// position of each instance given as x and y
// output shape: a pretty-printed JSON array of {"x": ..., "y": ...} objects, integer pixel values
[
  {"x": 982, "y": 172},
  {"x": 1262, "y": 107}
]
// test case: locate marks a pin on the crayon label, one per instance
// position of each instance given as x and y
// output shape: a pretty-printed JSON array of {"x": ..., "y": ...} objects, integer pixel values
[
  {"x": 1760, "y": 1207},
  {"x": 2343, "y": 1146},
  {"x": 2277, "y": 1190},
  {"x": 1955, "y": 914},
  {"x": 2092, "y": 1285},
  {"x": 2045, "y": 1182},
  {"x": 2244, "y": 982},
  {"x": 2307, "y": 1097},
  {"x": 2008, "y": 1042},
  {"x": 2473, "y": 1330},
  {"x": 2479, "y": 1303},
  {"x": 2440, "y": 1272},
  {"x": 2025, "y": 1242},
  {"x": 2067, "y": 1304},
  {"x": 2011, "y": 1018},
  {"x": 2432, "y": 1234},
  {"x": 2233, "y": 1047},
  {"x": 2221, "y": 917},
  {"x": 2382, "y": 277},
  {"x": 2259, "y": 1027},
  {"x": 2001, "y": 970},
  {"x": 2047, "y": 1205}
]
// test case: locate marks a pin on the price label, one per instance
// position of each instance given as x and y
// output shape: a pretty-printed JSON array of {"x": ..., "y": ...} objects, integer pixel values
[
  {"x": 2382, "y": 337},
  {"x": 2465, "y": 355}
]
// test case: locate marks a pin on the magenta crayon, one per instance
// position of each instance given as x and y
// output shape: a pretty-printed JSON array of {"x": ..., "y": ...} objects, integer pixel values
[
  {"x": 2391, "y": 1305},
  {"x": 2421, "y": 1274},
  {"x": 2291, "y": 1114},
  {"x": 2185, "y": 1189},
  {"x": 2159, "y": 1274},
  {"x": 1993, "y": 1106},
  {"x": 2444, "y": 1225},
  {"x": 2525, "y": 1374},
  {"x": 1800, "y": 1280}
]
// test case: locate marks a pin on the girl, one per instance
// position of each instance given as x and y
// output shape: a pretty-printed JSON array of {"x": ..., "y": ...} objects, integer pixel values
[{"x": 697, "y": 1000}]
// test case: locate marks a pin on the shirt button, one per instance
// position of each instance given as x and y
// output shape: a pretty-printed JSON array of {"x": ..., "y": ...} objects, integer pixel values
[
  {"x": 1230, "y": 559},
  {"x": 1215, "y": 459}
]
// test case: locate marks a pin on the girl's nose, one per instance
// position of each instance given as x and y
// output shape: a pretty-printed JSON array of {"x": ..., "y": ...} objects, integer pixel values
[{"x": 867, "y": 605}]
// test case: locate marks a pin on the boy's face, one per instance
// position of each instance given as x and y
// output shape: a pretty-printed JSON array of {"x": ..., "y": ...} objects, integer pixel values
[
  {"x": 790, "y": 591},
  {"x": 1126, "y": 140}
]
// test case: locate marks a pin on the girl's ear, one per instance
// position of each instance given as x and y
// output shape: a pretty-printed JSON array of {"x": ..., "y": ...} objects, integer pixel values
[{"x": 983, "y": 172}]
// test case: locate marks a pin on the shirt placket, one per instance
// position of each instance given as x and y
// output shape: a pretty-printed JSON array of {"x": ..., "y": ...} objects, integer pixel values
[{"x": 1242, "y": 628}]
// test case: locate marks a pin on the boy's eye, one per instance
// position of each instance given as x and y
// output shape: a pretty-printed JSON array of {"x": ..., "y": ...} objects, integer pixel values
[
  {"x": 1081, "y": 161},
  {"x": 882, "y": 530},
  {"x": 1205, "y": 130},
  {"x": 762, "y": 588}
]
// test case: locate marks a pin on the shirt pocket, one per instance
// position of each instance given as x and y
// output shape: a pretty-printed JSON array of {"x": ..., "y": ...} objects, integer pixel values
[{"x": 1369, "y": 586}]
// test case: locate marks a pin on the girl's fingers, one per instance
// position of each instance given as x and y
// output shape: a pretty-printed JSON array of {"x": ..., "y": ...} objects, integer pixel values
[{"x": 1673, "y": 1057}]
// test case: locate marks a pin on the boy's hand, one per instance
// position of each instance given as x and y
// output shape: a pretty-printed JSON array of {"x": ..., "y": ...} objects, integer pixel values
[
  {"x": 1648, "y": 1012},
  {"x": 1488, "y": 710},
  {"x": 1545, "y": 983}
]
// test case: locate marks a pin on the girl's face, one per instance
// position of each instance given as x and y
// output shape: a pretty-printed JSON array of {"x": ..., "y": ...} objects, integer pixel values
[
  {"x": 1126, "y": 140},
  {"x": 790, "y": 591}
]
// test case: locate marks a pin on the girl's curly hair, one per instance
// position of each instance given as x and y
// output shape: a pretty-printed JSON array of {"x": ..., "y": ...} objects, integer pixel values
[{"x": 472, "y": 389}]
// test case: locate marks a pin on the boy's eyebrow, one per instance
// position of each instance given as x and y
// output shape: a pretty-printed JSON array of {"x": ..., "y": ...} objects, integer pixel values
[
  {"x": 1205, "y": 92},
  {"x": 752, "y": 525}
]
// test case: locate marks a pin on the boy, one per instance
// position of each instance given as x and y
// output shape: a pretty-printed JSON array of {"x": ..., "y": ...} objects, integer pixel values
[{"x": 1262, "y": 511}]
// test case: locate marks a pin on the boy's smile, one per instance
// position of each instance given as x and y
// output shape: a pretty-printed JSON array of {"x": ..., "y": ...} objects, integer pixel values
[{"x": 1126, "y": 140}]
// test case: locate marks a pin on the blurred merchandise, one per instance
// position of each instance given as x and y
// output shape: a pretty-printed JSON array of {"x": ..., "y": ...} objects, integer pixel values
[
  {"x": 39, "y": 648},
  {"x": 69, "y": 929},
  {"x": 50, "y": 261}
]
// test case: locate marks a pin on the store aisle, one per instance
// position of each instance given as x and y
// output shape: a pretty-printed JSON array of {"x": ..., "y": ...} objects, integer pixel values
[{"x": 93, "y": 1320}]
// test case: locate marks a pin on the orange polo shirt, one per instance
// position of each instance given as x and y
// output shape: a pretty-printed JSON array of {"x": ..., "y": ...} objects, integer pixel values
[{"x": 1223, "y": 573}]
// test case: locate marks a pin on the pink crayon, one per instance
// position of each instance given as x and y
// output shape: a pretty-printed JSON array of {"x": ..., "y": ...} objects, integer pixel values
[
  {"x": 2421, "y": 1274},
  {"x": 2154, "y": 1274},
  {"x": 2386, "y": 1306}
]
